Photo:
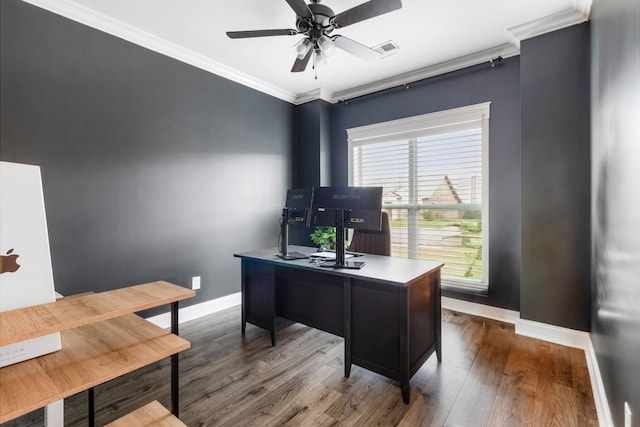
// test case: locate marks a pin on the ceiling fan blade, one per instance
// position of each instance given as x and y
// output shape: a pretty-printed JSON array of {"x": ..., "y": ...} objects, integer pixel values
[
  {"x": 365, "y": 11},
  {"x": 301, "y": 64},
  {"x": 260, "y": 33},
  {"x": 355, "y": 48},
  {"x": 300, "y": 8}
]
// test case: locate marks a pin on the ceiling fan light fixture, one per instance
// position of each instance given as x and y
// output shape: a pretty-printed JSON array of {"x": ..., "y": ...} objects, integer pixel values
[
  {"x": 302, "y": 47},
  {"x": 326, "y": 45},
  {"x": 319, "y": 58}
]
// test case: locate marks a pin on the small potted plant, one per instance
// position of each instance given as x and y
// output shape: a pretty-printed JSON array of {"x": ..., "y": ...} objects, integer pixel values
[{"x": 324, "y": 237}]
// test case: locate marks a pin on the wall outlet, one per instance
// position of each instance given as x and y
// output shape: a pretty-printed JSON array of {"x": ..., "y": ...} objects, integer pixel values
[
  {"x": 628, "y": 422},
  {"x": 195, "y": 283}
]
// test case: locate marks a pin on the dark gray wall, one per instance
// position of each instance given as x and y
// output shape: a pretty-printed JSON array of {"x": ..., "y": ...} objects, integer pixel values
[
  {"x": 473, "y": 85},
  {"x": 312, "y": 149},
  {"x": 555, "y": 272},
  {"x": 152, "y": 169},
  {"x": 312, "y": 165},
  {"x": 615, "y": 70}
]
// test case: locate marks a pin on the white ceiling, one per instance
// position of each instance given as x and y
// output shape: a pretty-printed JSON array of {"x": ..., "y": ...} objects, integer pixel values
[{"x": 434, "y": 36}]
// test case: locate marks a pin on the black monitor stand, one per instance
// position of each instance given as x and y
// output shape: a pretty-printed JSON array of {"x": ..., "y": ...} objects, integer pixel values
[
  {"x": 342, "y": 217},
  {"x": 284, "y": 239}
]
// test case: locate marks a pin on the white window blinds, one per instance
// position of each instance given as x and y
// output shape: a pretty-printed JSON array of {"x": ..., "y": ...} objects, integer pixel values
[{"x": 433, "y": 172}]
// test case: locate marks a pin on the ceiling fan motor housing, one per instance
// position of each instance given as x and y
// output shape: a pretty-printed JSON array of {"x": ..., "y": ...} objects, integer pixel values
[{"x": 321, "y": 17}]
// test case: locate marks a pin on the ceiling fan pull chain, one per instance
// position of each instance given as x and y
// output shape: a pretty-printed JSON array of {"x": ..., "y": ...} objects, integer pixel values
[{"x": 315, "y": 66}]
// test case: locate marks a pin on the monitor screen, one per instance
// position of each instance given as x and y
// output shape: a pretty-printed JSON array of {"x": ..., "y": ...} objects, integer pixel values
[
  {"x": 298, "y": 206},
  {"x": 362, "y": 206}
]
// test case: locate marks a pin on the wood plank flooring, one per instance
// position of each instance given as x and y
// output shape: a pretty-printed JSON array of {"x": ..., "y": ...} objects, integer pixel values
[{"x": 489, "y": 376}]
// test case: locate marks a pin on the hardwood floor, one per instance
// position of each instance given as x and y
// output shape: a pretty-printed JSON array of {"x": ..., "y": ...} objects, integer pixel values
[{"x": 489, "y": 376}]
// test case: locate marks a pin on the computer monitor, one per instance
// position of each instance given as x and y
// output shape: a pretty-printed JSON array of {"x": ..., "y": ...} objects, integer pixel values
[
  {"x": 346, "y": 207},
  {"x": 297, "y": 211}
]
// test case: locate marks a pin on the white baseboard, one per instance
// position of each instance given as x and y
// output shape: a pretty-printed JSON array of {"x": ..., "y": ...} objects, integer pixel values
[
  {"x": 541, "y": 331},
  {"x": 475, "y": 309},
  {"x": 196, "y": 311},
  {"x": 597, "y": 387},
  {"x": 555, "y": 334}
]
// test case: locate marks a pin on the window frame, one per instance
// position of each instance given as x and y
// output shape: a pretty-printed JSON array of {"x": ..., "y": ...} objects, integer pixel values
[{"x": 439, "y": 122}]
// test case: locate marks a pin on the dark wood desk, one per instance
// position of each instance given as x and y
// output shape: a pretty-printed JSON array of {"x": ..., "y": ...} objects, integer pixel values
[{"x": 388, "y": 312}]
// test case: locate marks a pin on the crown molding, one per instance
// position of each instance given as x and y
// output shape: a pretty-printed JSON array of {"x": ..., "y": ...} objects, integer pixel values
[
  {"x": 308, "y": 96},
  {"x": 313, "y": 95},
  {"x": 72, "y": 10},
  {"x": 583, "y": 6},
  {"x": 505, "y": 50},
  {"x": 76, "y": 12},
  {"x": 550, "y": 23}
]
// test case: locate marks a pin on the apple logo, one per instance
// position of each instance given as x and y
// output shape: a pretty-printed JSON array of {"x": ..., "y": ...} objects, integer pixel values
[{"x": 9, "y": 262}]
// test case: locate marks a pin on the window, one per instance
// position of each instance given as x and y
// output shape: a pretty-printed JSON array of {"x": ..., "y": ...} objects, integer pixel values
[{"x": 434, "y": 174}]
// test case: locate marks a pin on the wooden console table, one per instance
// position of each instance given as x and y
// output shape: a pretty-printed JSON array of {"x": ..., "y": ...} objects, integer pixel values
[
  {"x": 101, "y": 340},
  {"x": 388, "y": 312}
]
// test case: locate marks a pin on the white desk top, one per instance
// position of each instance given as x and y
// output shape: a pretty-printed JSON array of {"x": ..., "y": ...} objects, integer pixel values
[{"x": 378, "y": 268}]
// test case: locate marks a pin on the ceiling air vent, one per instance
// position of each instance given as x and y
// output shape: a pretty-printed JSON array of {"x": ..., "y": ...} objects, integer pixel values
[{"x": 387, "y": 48}]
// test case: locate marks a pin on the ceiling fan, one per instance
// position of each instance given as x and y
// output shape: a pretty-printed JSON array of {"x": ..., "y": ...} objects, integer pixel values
[{"x": 316, "y": 22}]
